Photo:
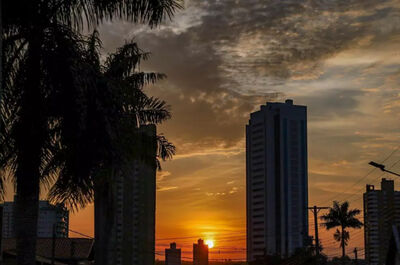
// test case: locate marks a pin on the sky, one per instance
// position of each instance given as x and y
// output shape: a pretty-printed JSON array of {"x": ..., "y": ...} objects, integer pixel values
[{"x": 223, "y": 59}]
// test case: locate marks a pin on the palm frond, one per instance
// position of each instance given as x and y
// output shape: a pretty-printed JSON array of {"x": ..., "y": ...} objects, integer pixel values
[
  {"x": 340, "y": 215},
  {"x": 342, "y": 238},
  {"x": 140, "y": 79},
  {"x": 2, "y": 186},
  {"x": 166, "y": 150},
  {"x": 74, "y": 193},
  {"x": 124, "y": 61},
  {"x": 94, "y": 46},
  {"x": 152, "y": 110},
  {"x": 337, "y": 235},
  {"x": 150, "y": 12}
]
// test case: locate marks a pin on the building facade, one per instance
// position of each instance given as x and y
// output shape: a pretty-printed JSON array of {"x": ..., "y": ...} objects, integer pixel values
[
  {"x": 381, "y": 212},
  {"x": 50, "y": 217},
  {"x": 173, "y": 255},
  {"x": 125, "y": 223},
  {"x": 276, "y": 180},
  {"x": 200, "y": 253}
]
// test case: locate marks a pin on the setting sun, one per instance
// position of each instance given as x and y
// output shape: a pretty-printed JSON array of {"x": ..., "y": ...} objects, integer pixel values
[{"x": 210, "y": 243}]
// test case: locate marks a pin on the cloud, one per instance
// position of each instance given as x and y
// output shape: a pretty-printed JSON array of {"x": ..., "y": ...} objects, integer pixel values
[
  {"x": 233, "y": 190},
  {"x": 160, "y": 189},
  {"x": 339, "y": 102},
  {"x": 161, "y": 175},
  {"x": 162, "y": 180},
  {"x": 257, "y": 43},
  {"x": 224, "y": 58}
]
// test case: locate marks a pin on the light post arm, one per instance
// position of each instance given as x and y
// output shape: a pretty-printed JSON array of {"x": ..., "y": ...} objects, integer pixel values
[{"x": 382, "y": 167}]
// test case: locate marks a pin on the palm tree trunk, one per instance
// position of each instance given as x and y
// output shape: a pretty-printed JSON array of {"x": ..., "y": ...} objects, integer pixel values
[
  {"x": 343, "y": 244},
  {"x": 26, "y": 214},
  {"x": 29, "y": 141}
]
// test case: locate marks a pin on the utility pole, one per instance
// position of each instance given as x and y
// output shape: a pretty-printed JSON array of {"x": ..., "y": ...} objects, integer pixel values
[
  {"x": 355, "y": 255},
  {"x": 315, "y": 211}
]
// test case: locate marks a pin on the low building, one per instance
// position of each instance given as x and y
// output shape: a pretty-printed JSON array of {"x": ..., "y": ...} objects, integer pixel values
[
  {"x": 173, "y": 255},
  {"x": 200, "y": 253},
  {"x": 76, "y": 251},
  {"x": 50, "y": 217}
]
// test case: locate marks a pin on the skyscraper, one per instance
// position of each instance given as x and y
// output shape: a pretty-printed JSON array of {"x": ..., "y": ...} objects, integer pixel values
[
  {"x": 381, "y": 212},
  {"x": 129, "y": 238},
  {"x": 200, "y": 253},
  {"x": 276, "y": 180},
  {"x": 50, "y": 217}
]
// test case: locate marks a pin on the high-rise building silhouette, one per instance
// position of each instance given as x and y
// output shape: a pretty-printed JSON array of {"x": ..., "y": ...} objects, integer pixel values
[
  {"x": 173, "y": 255},
  {"x": 200, "y": 253},
  {"x": 130, "y": 236},
  {"x": 381, "y": 212},
  {"x": 50, "y": 217},
  {"x": 276, "y": 180}
]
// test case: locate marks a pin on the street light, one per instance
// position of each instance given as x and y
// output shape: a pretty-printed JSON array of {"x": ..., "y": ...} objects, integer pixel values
[{"x": 382, "y": 167}]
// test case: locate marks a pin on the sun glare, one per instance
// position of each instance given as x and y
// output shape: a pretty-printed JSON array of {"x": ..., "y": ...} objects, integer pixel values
[{"x": 210, "y": 243}]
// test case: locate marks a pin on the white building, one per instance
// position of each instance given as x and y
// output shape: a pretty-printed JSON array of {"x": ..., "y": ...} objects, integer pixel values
[
  {"x": 276, "y": 180},
  {"x": 49, "y": 215},
  {"x": 381, "y": 212}
]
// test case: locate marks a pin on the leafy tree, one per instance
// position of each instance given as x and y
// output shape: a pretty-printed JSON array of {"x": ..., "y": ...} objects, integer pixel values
[
  {"x": 35, "y": 34},
  {"x": 341, "y": 216}
]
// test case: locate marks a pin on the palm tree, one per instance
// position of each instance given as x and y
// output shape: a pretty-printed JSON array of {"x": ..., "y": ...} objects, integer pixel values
[
  {"x": 341, "y": 216},
  {"x": 112, "y": 138},
  {"x": 29, "y": 124},
  {"x": 33, "y": 32},
  {"x": 107, "y": 125}
]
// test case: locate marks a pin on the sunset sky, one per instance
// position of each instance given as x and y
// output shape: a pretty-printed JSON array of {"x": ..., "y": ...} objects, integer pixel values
[{"x": 223, "y": 59}]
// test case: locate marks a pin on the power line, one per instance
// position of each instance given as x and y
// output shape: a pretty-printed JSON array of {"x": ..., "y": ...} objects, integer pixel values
[
  {"x": 79, "y": 233},
  {"x": 377, "y": 178},
  {"x": 362, "y": 178}
]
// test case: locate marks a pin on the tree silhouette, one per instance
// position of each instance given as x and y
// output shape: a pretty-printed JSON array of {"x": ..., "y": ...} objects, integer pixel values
[
  {"x": 111, "y": 139},
  {"x": 341, "y": 216},
  {"x": 35, "y": 34}
]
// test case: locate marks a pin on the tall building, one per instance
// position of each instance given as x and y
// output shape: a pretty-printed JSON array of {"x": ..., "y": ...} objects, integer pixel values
[
  {"x": 200, "y": 253},
  {"x": 173, "y": 255},
  {"x": 49, "y": 215},
  {"x": 125, "y": 223},
  {"x": 276, "y": 180},
  {"x": 381, "y": 212}
]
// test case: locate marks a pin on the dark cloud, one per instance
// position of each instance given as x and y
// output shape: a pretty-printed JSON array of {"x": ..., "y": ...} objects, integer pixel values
[
  {"x": 236, "y": 44},
  {"x": 332, "y": 103},
  {"x": 223, "y": 58},
  {"x": 269, "y": 40}
]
